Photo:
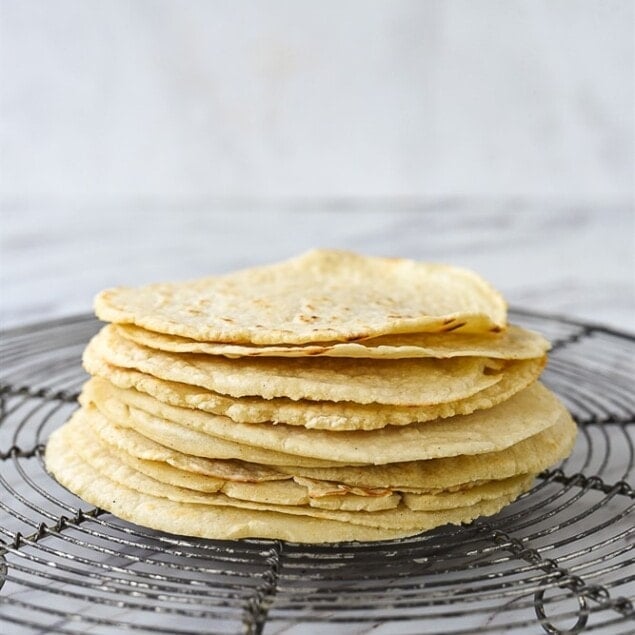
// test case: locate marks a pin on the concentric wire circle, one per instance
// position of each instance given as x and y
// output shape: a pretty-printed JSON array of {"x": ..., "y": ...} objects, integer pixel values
[{"x": 559, "y": 560}]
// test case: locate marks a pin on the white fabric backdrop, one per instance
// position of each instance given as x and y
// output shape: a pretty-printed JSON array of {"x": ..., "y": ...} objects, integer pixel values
[{"x": 189, "y": 100}]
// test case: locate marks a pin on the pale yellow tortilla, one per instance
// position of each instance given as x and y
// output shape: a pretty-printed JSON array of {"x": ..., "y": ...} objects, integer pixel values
[
  {"x": 513, "y": 343},
  {"x": 406, "y": 382},
  {"x": 298, "y": 491},
  {"x": 530, "y": 456},
  {"x": 319, "y": 296},
  {"x": 238, "y": 480},
  {"x": 293, "y": 493},
  {"x": 132, "y": 442},
  {"x": 524, "y": 415},
  {"x": 492, "y": 490},
  {"x": 65, "y": 442},
  {"x": 318, "y": 415},
  {"x": 204, "y": 521},
  {"x": 198, "y": 444}
]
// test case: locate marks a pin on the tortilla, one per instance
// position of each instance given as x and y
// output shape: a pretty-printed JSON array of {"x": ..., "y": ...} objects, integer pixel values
[
  {"x": 524, "y": 415},
  {"x": 135, "y": 444},
  {"x": 319, "y": 415},
  {"x": 63, "y": 444},
  {"x": 513, "y": 343},
  {"x": 286, "y": 492},
  {"x": 197, "y": 444},
  {"x": 204, "y": 521},
  {"x": 239, "y": 479},
  {"x": 322, "y": 295},
  {"x": 529, "y": 456},
  {"x": 407, "y": 382},
  {"x": 492, "y": 490}
]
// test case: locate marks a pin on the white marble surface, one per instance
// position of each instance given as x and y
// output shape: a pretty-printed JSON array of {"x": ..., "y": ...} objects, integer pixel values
[{"x": 573, "y": 260}]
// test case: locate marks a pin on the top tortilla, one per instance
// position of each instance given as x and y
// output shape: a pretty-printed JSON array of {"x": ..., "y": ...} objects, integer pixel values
[{"x": 320, "y": 296}]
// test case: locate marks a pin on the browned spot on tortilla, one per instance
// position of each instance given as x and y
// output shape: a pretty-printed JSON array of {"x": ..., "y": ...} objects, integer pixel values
[
  {"x": 496, "y": 329},
  {"x": 308, "y": 318},
  {"x": 448, "y": 320},
  {"x": 342, "y": 490},
  {"x": 454, "y": 327}
]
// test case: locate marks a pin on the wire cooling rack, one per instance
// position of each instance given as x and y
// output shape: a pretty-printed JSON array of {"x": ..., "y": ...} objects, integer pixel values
[{"x": 559, "y": 560}]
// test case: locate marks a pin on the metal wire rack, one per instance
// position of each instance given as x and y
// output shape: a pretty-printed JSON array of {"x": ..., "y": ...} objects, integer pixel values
[{"x": 559, "y": 560}]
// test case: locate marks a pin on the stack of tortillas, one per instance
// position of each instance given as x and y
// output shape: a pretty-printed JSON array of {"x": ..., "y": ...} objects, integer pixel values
[{"x": 330, "y": 397}]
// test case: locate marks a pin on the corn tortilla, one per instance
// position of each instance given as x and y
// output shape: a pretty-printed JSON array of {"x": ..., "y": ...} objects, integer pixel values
[
  {"x": 318, "y": 415},
  {"x": 532, "y": 455},
  {"x": 407, "y": 382},
  {"x": 513, "y": 343},
  {"x": 428, "y": 477},
  {"x": 202, "y": 521},
  {"x": 524, "y": 415},
  {"x": 63, "y": 442},
  {"x": 322, "y": 295}
]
